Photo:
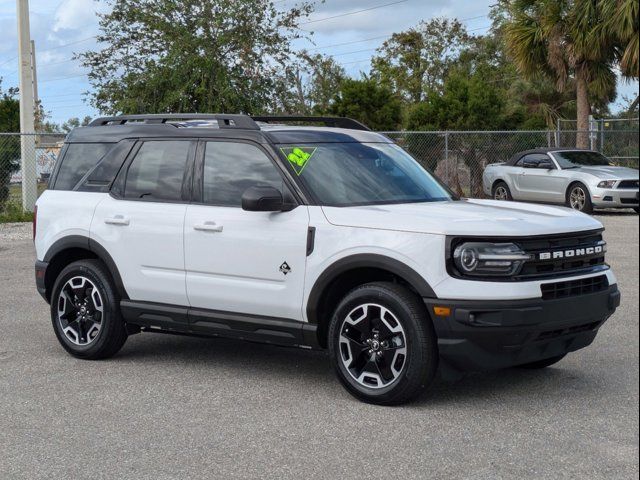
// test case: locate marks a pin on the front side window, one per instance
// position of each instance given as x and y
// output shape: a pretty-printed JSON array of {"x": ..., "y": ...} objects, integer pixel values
[
  {"x": 577, "y": 159},
  {"x": 157, "y": 171},
  {"x": 231, "y": 168},
  {"x": 348, "y": 174}
]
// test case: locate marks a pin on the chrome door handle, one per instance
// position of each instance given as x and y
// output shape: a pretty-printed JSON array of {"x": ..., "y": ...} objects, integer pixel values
[
  {"x": 208, "y": 227},
  {"x": 117, "y": 220}
]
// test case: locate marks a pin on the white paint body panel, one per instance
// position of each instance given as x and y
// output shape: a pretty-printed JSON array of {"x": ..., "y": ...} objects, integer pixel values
[
  {"x": 149, "y": 251},
  {"x": 238, "y": 269},
  {"x": 466, "y": 217},
  {"x": 162, "y": 258},
  {"x": 63, "y": 214}
]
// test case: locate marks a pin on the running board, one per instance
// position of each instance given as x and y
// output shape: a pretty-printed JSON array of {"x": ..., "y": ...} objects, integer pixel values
[{"x": 212, "y": 323}]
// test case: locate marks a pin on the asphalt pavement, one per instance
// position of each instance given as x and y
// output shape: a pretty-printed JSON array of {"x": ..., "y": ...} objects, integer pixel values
[{"x": 169, "y": 407}]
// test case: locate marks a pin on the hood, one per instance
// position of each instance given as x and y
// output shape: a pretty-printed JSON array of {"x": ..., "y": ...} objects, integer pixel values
[
  {"x": 465, "y": 217},
  {"x": 609, "y": 173}
]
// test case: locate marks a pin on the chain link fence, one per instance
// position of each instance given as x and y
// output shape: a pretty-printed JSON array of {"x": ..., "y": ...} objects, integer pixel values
[
  {"x": 458, "y": 158},
  {"x": 41, "y": 152}
]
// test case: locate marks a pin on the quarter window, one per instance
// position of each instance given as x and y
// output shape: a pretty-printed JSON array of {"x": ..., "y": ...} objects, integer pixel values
[
  {"x": 157, "y": 171},
  {"x": 77, "y": 161},
  {"x": 231, "y": 168}
]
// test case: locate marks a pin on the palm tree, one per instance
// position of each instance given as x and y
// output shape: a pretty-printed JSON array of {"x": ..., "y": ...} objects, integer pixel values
[{"x": 566, "y": 39}]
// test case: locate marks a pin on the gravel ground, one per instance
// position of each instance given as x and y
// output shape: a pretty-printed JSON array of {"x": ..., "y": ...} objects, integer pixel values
[
  {"x": 176, "y": 407},
  {"x": 10, "y": 232}
]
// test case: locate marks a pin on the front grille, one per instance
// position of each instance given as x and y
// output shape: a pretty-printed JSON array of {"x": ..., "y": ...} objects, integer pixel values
[
  {"x": 629, "y": 184},
  {"x": 574, "y": 288},
  {"x": 566, "y": 254},
  {"x": 629, "y": 201}
]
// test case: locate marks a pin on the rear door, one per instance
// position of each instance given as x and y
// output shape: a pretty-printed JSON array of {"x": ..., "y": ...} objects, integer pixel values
[
  {"x": 141, "y": 223},
  {"x": 239, "y": 261}
]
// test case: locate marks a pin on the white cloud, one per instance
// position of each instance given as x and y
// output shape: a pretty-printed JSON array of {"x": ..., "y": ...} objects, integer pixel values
[{"x": 75, "y": 15}]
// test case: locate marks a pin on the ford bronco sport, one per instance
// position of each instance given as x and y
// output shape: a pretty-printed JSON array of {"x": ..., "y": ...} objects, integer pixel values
[{"x": 326, "y": 236}]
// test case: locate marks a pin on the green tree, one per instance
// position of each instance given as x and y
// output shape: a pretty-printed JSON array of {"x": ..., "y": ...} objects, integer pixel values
[
  {"x": 9, "y": 145},
  {"x": 369, "y": 102},
  {"x": 469, "y": 102},
  {"x": 563, "y": 39},
  {"x": 311, "y": 84},
  {"x": 74, "y": 122},
  {"x": 415, "y": 62},
  {"x": 193, "y": 55}
]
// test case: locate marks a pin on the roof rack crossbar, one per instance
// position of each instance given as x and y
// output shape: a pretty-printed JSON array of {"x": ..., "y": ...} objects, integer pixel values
[
  {"x": 243, "y": 122},
  {"x": 334, "y": 122}
]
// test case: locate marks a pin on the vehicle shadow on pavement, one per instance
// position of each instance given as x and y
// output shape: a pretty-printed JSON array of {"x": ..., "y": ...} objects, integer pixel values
[{"x": 299, "y": 367}]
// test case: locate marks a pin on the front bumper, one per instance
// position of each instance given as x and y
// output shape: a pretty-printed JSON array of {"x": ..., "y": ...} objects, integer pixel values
[
  {"x": 492, "y": 335},
  {"x": 615, "y": 198}
]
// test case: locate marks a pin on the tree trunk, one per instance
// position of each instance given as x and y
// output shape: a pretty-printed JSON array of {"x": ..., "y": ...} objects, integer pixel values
[{"x": 583, "y": 107}]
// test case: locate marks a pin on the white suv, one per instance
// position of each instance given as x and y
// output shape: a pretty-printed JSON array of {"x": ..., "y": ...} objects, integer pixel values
[{"x": 311, "y": 236}]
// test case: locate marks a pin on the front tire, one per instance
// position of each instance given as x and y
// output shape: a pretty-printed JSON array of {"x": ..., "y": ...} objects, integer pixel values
[
  {"x": 501, "y": 192},
  {"x": 579, "y": 198},
  {"x": 85, "y": 311},
  {"x": 382, "y": 344}
]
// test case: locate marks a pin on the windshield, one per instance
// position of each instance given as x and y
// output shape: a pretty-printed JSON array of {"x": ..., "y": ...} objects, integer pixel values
[
  {"x": 349, "y": 174},
  {"x": 581, "y": 159}
]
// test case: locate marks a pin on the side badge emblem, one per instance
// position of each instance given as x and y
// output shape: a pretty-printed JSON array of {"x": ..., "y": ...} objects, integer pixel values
[{"x": 285, "y": 268}]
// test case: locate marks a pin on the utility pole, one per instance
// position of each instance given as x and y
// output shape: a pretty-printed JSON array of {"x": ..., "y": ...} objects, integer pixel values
[
  {"x": 34, "y": 73},
  {"x": 27, "y": 123},
  {"x": 34, "y": 77}
]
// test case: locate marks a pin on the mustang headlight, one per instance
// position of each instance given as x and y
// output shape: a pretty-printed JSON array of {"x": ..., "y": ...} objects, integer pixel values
[
  {"x": 489, "y": 259},
  {"x": 607, "y": 184}
]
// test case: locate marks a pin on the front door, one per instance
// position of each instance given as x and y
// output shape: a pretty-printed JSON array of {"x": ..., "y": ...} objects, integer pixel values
[{"x": 239, "y": 261}]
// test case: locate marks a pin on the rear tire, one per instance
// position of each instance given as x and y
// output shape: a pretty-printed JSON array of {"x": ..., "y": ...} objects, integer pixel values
[
  {"x": 547, "y": 362},
  {"x": 382, "y": 344},
  {"x": 501, "y": 192},
  {"x": 85, "y": 311},
  {"x": 579, "y": 198}
]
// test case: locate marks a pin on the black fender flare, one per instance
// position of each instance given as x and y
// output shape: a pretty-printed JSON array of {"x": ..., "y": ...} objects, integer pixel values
[
  {"x": 364, "y": 260},
  {"x": 86, "y": 243}
]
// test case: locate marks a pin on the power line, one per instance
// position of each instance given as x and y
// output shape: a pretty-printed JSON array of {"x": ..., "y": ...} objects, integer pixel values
[
  {"x": 353, "y": 13},
  {"x": 63, "y": 78},
  {"x": 386, "y": 36}
]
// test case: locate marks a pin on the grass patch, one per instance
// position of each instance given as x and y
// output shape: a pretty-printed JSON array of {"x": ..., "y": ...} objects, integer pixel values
[{"x": 13, "y": 213}]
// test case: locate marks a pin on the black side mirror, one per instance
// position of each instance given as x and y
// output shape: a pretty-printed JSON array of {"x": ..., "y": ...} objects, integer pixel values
[
  {"x": 546, "y": 164},
  {"x": 263, "y": 199}
]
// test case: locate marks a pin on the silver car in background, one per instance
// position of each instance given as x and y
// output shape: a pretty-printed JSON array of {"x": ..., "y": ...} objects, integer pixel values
[{"x": 580, "y": 179}]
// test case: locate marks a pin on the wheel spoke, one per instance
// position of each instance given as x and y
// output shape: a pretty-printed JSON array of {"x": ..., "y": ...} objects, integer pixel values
[
  {"x": 371, "y": 340},
  {"x": 80, "y": 310}
]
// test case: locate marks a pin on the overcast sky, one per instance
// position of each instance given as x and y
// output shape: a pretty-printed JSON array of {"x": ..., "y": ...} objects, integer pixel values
[{"x": 62, "y": 27}]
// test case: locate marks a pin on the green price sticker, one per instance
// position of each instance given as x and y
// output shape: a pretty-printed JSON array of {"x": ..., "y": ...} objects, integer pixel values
[{"x": 298, "y": 157}]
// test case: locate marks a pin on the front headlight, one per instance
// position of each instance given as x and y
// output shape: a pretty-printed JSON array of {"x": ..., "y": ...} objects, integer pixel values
[
  {"x": 607, "y": 184},
  {"x": 489, "y": 259}
]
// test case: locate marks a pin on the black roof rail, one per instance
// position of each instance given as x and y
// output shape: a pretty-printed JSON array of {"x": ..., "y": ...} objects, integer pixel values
[
  {"x": 334, "y": 122},
  {"x": 243, "y": 122}
]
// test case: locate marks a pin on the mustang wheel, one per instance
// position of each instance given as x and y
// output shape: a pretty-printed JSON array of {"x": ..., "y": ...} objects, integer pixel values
[
  {"x": 382, "y": 344},
  {"x": 579, "y": 199},
  {"x": 501, "y": 192},
  {"x": 85, "y": 313}
]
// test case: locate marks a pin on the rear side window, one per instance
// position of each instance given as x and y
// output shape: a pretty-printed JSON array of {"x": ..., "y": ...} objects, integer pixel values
[
  {"x": 77, "y": 161},
  {"x": 231, "y": 168},
  {"x": 157, "y": 171}
]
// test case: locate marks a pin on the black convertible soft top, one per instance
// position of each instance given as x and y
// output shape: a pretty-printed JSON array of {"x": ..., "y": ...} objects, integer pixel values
[{"x": 542, "y": 150}]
